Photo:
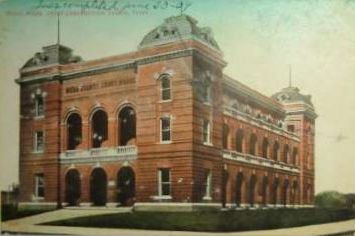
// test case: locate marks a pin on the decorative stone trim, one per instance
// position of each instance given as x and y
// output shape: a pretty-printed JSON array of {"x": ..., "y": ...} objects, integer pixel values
[
  {"x": 259, "y": 161},
  {"x": 95, "y": 155},
  {"x": 259, "y": 123}
]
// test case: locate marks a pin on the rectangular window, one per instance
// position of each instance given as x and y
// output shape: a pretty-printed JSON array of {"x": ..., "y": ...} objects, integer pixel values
[
  {"x": 207, "y": 184},
  {"x": 165, "y": 88},
  {"x": 38, "y": 141},
  {"x": 39, "y": 186},
  {"x": 164, "y": 182},
  {"x": 206, "y": 132},
  {"x": 165, "y": 127},
  {"x": 39, "y": 107},
  {"x": 291, "y": 128}
]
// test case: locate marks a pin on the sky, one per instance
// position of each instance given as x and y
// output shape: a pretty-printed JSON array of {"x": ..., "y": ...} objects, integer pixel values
[{"x": 259, "y": 39}]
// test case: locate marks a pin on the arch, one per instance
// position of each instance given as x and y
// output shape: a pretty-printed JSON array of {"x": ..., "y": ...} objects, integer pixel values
[
  {"x": 274, "y": 190},
  {"x": 294, "y": 156},
  {"x": 264, "y": 186},
  {"x": 225, "y": 136},
  {"x": 225, "y": 178},
  {"x": 72, "y": 187},
  {"x": 127, "y": 126},
  {"x": 74, "y": 131},
  {"x": 165, "y": 86},
  {"x": 265, "y": 148},
  {"x": 275, "y": 151},
  {"x": 251, "y": 192},
  {"x": 253, "y": 144},
  {"x": 99, "y": 129},
  {"x": 285, "y": 192},
  {"x": 126, "y": 186},
  {"x": 98, "y": 187},
  {"x": 238, "y": 188},
  {"x": 294, "y": 192},
  {"x": 239, "y": 145},
  {"x": 286, "y": 153}
]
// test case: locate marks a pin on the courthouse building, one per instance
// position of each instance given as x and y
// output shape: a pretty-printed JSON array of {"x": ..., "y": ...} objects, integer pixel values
[{"x": 160, "y": 126}]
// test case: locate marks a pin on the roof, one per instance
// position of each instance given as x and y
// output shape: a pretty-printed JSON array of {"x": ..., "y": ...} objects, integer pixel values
[
  {"x": 52, "y": 54},
  {"x": 292, "y": 94},
  {"x": 252, "y": 95},
  {"x": 177, "y": 28}
]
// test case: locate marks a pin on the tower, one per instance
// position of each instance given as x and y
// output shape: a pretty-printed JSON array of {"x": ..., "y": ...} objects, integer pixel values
[{"x": 300, "y": 119}]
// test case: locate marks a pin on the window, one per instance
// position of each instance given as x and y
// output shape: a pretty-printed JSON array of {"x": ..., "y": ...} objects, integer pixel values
[
  {"x": 291, "y": 128},
  {"x": 225, "y": 136},
  {"x": 99, "y": 127},
  {"x": 207, "y": 184},
  {"x": 164, "y": 182},
  {"x": 206, "y": 132},
  {"x": 38, "y": 141},
  {"x": 239, "y": 140},
  {"x": 165, "y": 86},
  {"x": 206, "y": 93},
  {"x": 39, "y": 107},
  {"x": 253, "y": 144},
  {"x": 165, "y": 128},
  {"x": 39, "y": 186},
  {"x": 265, "y": 151}
]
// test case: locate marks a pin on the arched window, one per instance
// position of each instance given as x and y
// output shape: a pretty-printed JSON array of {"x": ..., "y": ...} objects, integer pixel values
[
  {"x": 99, "y": 128},
  {"x": 225, "y": 136},
  {"x": 74, "y": 131},
  {"x": 239, "y": 141},
  {"x": 286, "y": 153},
  {"x": 127, "y": 126},
  {"x": 165, "y": 87},
  {"x": 275, "y": 151},
  {"x": 253, "y": 144},
  {"x": 265, "y": 152},
  {"x": 294, "y": 156},
  {"x": 39, "y": 105}
]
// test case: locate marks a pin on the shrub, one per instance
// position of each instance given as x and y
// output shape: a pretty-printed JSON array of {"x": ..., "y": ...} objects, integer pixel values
[{"x": 331, "y": 199}]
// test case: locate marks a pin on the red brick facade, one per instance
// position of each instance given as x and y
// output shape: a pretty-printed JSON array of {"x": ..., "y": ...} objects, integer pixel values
[{"x": 226, "y": 169}]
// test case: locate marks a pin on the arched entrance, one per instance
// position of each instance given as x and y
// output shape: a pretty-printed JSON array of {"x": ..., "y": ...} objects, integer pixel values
[
  {"x": 238, "y": 189},
  {"x": 252, "y": 184},
  {"x": 127, "y": 124},
  {"x": 98, "y": 187},
  {"x": 285, "y": 192},
  {"x": 126, "y": 186},
  {"x": 264, "y": 190},
  {"x": 72, "y": 187},
  {"x": 274, "y": 190}
]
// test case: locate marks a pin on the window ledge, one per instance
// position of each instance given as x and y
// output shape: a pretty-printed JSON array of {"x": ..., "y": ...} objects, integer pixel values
[
  {"x": 34, "y": 198},
  {"x": 164, "y": 101},
  {"x": 37, "y": 152},
  {"x": 165, "y": 142},
  {"x": 38, "y": 117},
  {"x": 207, "y": 198},
  {"x": 163, "y": 197},
  {"x": 208, "y": 144}
]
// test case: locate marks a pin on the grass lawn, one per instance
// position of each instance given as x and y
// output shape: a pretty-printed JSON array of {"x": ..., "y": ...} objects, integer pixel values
[
  {"x": 219, "y": 221},
  {"x": 9, "y": 212}
]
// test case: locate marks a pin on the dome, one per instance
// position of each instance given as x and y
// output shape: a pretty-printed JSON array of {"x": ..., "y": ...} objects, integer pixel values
[
  {"x": 178, "y": 28},
  {"x": 292, "y": 94},
  {"x": 53, "y": 54}
]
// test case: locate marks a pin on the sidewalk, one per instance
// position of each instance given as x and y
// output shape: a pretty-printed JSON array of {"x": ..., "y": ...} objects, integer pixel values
[{"x": 28, "y": 225}]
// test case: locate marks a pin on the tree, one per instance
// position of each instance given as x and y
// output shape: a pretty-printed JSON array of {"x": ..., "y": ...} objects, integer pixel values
[{"x": 331, "y": 199}]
